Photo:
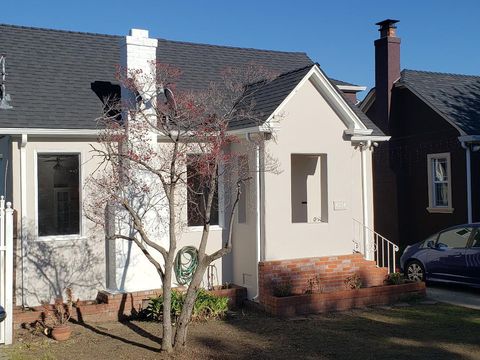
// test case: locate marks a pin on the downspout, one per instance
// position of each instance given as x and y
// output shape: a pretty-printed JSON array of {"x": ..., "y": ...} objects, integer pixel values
[
  {"x": 258, "y": 232},
  {"x": 363, "y": 147},
  {"x": 23, "y": 197},
  {"x": 468, "y": 164}
]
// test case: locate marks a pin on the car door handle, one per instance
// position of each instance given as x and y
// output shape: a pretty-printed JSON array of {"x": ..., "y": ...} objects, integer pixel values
[{"x": 458, "y": 255}]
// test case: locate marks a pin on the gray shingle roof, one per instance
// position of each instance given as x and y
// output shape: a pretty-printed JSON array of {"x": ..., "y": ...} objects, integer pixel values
[
  {"x": 51, "y": 74},
  {"x": 456, "y": 97},
  {"x": 265, "y": 97}
]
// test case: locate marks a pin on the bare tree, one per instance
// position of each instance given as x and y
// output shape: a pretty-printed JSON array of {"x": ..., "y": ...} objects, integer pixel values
[{"x": 163, "y": 153}]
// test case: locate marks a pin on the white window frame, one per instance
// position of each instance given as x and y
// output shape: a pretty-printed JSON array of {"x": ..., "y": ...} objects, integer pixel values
[
  {"x": 81, "y": 156},
  {"x": 432, "y": 208}
]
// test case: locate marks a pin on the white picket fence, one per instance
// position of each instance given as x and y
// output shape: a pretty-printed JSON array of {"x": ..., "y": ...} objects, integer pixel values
[{"x": 6, "y": 270}]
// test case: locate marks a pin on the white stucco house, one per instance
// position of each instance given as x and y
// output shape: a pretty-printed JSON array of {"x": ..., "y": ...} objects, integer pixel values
[{"x": 56, "y": 80}]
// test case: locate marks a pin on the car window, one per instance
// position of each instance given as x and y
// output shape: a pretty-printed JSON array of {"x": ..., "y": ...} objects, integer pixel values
[
  {"x": 455, "y": 238},
  {"x": 476, "y": 239},
  {"x": 424, "y": 244}
]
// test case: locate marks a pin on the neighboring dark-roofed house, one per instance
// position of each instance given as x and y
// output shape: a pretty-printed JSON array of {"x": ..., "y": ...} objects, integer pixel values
[
  {"x": 57, "y": 81},
  {"x": 428, "y": 176}
]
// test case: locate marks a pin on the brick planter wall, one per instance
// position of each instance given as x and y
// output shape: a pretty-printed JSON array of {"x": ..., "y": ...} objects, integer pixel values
[
  {"x": 332, "y": 271},
  {"x": 118, "y": 306},
  {"x": 340, "y": 300}
]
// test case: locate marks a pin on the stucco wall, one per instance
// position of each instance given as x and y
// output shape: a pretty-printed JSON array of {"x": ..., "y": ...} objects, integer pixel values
[
  {"x": 310, "y": 126},
  {"x": 244, "y": 262},
  {"x": 80, "y": 262}
]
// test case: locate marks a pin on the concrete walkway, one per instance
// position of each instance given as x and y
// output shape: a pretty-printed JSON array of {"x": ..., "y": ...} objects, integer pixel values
[{"x": 455, "y": 295}]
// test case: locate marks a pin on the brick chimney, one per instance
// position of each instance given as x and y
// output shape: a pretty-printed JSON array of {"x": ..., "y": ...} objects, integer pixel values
[{"x": 387, "y": 70}]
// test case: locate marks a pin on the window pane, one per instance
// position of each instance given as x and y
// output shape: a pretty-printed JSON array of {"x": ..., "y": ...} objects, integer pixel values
[
  {"x": 456, "y": 238},
  {"x": 58, "y": 195},
  {"x": 197, "y": 195},
  {"x": 476, "y": 239},
  {"x": 441, "y": 194},
  {"x": 440, "y": 170}
]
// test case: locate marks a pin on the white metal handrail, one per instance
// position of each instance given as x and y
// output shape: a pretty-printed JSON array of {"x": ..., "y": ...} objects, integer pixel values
[{"x": 374, "y": 246}]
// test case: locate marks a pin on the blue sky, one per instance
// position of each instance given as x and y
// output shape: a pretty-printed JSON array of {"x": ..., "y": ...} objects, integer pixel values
[{"x": 436, "y": 35}]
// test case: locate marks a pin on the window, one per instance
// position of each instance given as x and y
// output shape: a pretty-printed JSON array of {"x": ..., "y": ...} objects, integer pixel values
[
  {"x": 476, "y": 239},
  {"x": 439, "y": 183},
  {"x": 58, "y": 194},
  {"x": 197, "y": 194},
  {"x": 455, "y": 239},
  {"x": 309, "y": 195}
]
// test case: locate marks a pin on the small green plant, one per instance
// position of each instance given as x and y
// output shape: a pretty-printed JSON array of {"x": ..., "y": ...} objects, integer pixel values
[
  {"x": 313, "y": 285},
  {"x": 206, "y": 306},
  {"x": 395, "y": 278},
  {"x": 282, "y": 288},
  {"x": 353, "y": 282}
]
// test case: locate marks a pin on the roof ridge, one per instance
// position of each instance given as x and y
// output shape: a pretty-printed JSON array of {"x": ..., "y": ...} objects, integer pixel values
[
  {"x": 58, "y": 30},
  {"x": 282, "y": 74},
  {"x": 233, "y": 47},
  {"x": 439, "y": 73},
  {"x": 161, "y": 39}
]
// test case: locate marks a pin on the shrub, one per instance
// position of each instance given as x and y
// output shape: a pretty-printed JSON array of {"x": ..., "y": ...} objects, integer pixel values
[
  {"x": 282, "y": 288},
  {"x": 353, "y": 282},
  {"x": 395, "y": 278},
  {"x": 313, "y": 285},
  {"x": 206, "y": 306}
]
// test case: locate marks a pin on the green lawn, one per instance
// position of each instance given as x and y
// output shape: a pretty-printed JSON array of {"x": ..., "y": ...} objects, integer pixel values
[{"x": 413, "y": 332}]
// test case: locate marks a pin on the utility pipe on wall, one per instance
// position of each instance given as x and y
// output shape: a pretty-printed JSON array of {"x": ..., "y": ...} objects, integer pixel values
[
  {"x": 363, "y": 148},
  {"x": 258, "y": 231}
]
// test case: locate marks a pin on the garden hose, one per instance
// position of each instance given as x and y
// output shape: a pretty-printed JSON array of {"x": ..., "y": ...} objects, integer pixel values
[{"x": 186, "y": 263}]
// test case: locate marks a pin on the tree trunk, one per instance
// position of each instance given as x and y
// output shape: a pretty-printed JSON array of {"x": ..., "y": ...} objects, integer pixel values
[
  {"x": 180, "y": 339},
  {"x": 167, "y": 310}
]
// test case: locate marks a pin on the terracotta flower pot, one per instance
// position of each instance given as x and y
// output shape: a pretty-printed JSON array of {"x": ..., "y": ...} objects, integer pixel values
[{"x": 61, "y": 332}]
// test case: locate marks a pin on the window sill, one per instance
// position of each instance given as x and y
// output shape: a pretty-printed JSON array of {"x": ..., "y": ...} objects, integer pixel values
[
  {"x": 61, "y": 238},
  {"x": 439, "y": 210},
  {"x": 200, "y": 228}
]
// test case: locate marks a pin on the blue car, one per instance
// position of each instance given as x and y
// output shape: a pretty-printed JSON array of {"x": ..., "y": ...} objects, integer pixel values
[{"x": 451, "y": 255}]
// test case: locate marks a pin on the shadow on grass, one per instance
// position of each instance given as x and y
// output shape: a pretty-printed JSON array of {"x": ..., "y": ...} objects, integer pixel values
[
  {"x": 417, "y": 332},
  {"x": 112, "y": 336}
]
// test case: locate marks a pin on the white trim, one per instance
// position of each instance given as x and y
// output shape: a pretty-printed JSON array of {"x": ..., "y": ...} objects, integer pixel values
[
  {"x": 50, "y": 132},
  {"x": 370, "y": 137},
  {"x": 469, "y": 138},
  {"x": 81, "y": 157},
  {"x": 356, "y": 88},
  {"x": 358, "y": 131},
  {"x": 200, "y": 228},
  {"x": 431, "y": 206},
  {"x": 439, "y": 210}
]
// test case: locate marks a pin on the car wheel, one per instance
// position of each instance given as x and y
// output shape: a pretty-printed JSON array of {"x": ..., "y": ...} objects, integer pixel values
[{"x": 415, "y": 271}]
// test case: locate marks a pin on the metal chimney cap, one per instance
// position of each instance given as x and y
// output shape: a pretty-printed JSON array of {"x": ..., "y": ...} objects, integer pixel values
[{"x": 387, "y": 23}]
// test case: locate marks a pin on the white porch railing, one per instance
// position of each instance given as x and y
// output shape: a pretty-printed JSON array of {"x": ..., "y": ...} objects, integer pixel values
[
  {"x": 6, "y": 270},
  {"x": 374, "y": 246}
]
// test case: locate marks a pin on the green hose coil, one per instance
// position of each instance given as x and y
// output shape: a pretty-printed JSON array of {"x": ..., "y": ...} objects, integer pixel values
[{"x": 186, "y": 263}]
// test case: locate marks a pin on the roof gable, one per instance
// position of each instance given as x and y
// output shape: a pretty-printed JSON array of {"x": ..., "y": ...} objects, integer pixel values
[{"x": 455, "y": 97}]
